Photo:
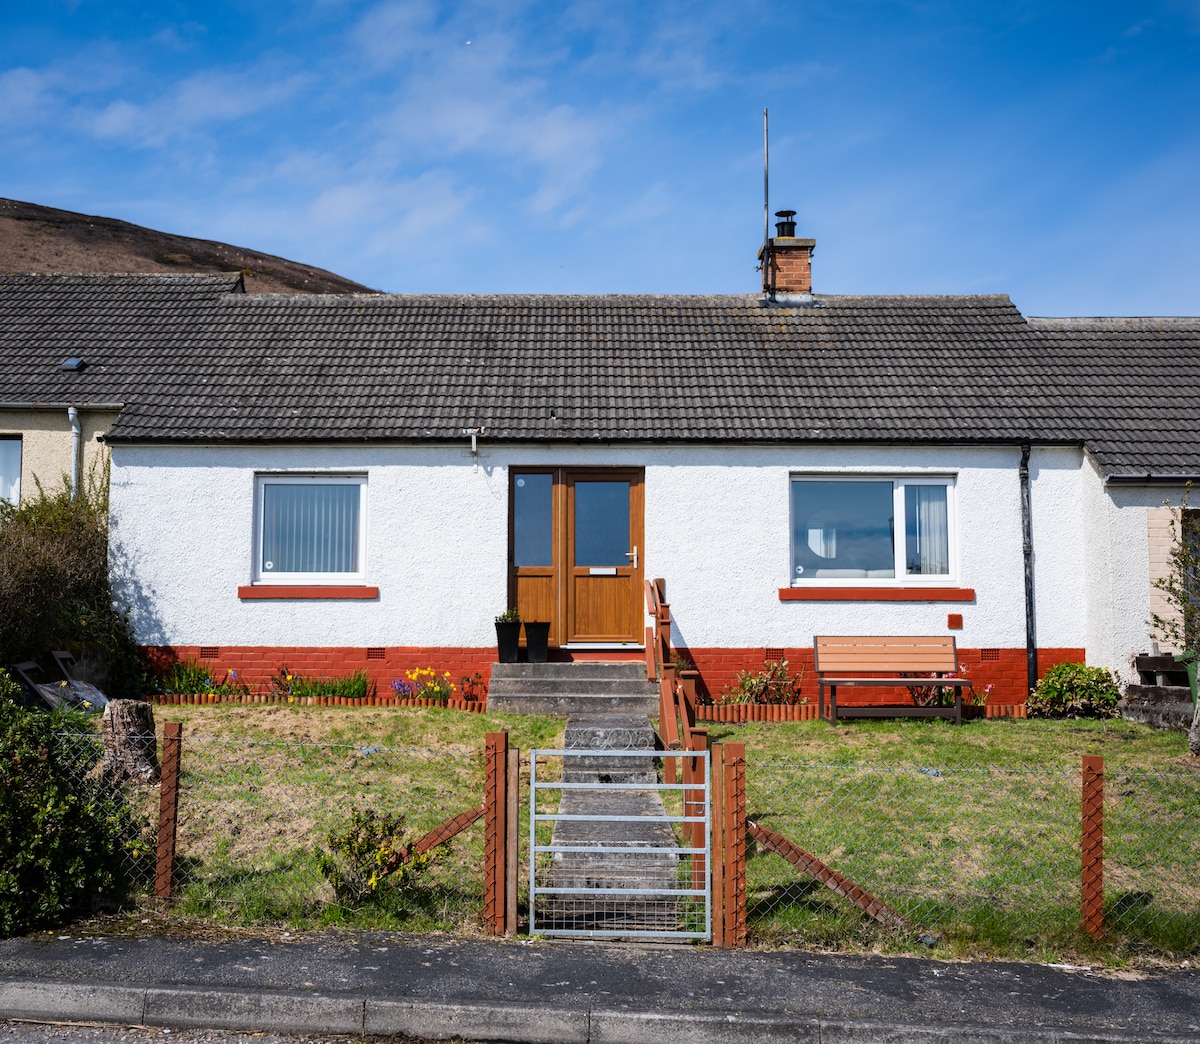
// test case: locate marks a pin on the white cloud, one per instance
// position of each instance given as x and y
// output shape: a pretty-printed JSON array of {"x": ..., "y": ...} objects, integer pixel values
[
  {"x": 203, "y": 100},
  {"x": 25, "y": 94}
]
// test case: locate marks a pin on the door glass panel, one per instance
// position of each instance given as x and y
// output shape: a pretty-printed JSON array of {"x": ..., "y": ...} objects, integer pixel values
[
  {"x": 533, "y": 517},
  {"x": 602, "y": 524}
]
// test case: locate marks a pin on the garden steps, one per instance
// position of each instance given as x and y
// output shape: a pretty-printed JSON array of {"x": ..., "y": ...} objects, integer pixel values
[
  {"x": 1161, "y": 697},
  {"x": 585, "y": 688}
]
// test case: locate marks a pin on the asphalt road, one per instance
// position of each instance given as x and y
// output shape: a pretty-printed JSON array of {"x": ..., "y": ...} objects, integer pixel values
[{"x": 372, "y": 983}]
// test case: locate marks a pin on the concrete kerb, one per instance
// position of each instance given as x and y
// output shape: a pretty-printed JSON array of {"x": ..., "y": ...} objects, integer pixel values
[
  {"x": 253, "y": 1010},
  {"x": 280, "y": 1012},
  {"x": 70, "y": 1002},
  {"x": 492, "y": 1021}
]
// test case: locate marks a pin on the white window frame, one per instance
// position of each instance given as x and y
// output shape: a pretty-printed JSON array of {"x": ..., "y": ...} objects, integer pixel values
[
  {"x": 899, "y": 540},
  {"x": 264, "y": 479}
]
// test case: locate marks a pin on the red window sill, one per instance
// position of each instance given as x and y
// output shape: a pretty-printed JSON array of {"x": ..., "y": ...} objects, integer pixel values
[
  {"x": 306, "y": 591},
  {"x": 877, "y": 594}
]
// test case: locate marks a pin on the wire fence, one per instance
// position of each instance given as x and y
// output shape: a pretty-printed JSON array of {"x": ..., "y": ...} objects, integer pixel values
[
  {"x": 986, "y": 859},
  {"x": 983, "y": 858},
  {"x": 258, "y": 825}
]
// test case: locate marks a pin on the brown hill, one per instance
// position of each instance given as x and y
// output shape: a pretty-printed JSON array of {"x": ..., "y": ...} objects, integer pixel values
[{"x": 41, "y": 239}]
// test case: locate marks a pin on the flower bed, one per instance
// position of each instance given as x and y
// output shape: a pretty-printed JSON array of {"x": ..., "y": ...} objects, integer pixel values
[{"x": 189, "y": 699}]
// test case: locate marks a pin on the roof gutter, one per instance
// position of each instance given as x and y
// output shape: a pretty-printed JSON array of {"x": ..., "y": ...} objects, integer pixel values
[
  {"x": 1150, "y": 479},
  {"x": 62, "y": 405}
]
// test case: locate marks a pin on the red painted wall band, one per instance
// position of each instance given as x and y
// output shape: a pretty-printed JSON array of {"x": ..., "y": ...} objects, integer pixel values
[
  {"x": 306, "y": 591},
  {"x": 877, "y": 594}
]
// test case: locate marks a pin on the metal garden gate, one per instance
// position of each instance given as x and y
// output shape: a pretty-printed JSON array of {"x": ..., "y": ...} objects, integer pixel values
[{"x": 614, "y": 851}]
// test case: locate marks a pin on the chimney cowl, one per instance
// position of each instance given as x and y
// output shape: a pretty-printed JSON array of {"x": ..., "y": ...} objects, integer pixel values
[{"x": 787, "y": 225}]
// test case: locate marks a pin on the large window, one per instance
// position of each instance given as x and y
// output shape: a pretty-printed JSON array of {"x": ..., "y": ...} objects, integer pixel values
[
  {"x": 874, "y": 529},
  {"x": 310, "y": 528},
  {"x": 10, "y": 468}
]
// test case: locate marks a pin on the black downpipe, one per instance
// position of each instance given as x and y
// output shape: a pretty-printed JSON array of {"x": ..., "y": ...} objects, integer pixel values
[{"x": 1031, "y": 677}]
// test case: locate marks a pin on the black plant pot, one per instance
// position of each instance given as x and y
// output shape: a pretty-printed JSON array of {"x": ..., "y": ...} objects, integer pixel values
[
  {"x": 508, "y": 640},
  {"x": 537, "y": 641}
]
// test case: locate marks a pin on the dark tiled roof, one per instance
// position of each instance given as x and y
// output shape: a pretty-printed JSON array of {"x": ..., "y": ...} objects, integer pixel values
[
  {"x": 1132, "y": 388},
  {"x": 193, "y": 361},
  {"x": 124, "y": 327}
]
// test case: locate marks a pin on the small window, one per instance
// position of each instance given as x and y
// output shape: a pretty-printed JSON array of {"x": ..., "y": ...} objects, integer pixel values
[
  {"x": 845, "y": 529},
  {"x": 310, "y": 528},
  {"x": 10, "y": 469}
]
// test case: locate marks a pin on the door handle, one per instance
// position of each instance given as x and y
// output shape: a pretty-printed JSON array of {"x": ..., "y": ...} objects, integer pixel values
[{"x": 634, "y": 555}]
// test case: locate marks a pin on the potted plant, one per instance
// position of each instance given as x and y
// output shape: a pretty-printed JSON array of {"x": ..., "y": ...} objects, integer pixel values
[
  {"x": 537, "y": 640},
  {"x": 508, "y": 635}
]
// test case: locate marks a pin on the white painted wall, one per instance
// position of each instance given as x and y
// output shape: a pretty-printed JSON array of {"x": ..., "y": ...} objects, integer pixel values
[
  {"x": 717, "y": 528},
  {"x": 1118, "y": 557}
]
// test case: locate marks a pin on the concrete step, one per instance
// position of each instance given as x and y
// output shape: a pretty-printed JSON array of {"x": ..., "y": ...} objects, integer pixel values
[
  {"x": 577, "y": 686},
  {"x": 1162, "y": 706},
  {"x": 609, "y": 732},
  {"x": 566, "y": 689},
  {"x": 580, "y": 670}
]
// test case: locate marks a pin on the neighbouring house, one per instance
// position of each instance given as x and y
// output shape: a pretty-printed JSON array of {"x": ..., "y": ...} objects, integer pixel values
[
  {"x": 71, "y": 347},
  {"x": 346, "y": 482}
]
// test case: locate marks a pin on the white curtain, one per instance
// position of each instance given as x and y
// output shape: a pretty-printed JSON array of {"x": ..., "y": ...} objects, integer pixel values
[
  {"x": 310, "y": 528},
  {"x": 929, "y": 532}
]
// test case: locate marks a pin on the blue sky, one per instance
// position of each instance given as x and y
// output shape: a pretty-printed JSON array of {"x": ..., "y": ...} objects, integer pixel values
[{"x": 1048, "y": 150}]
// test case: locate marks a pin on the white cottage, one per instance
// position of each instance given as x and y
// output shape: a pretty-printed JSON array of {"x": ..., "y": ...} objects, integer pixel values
[{"x": 336, "y": 483}]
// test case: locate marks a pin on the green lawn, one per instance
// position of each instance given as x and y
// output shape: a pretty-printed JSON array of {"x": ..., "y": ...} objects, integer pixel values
[{"x": 971, "y": 833}]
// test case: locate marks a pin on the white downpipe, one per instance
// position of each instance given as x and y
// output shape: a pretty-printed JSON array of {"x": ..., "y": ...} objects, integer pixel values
[{"x": 73, "y": 417}]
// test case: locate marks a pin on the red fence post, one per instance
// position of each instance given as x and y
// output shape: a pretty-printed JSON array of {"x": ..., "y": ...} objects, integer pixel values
[
  {"x": 1093, "y": 846},
  {"x": 168, "y": 808},
  {"x": 717, "y": 824},
  {"x": 495, "y": 802},
  {"x": 733, "y": 768}
]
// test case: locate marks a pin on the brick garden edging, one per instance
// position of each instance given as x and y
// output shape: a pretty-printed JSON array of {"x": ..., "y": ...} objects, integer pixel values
[
  {"x": 735, "y": 712},
  {"x": 190, "y": 699}
]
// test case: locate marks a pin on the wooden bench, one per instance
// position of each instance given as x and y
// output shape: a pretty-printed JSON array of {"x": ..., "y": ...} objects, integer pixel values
[{"x": 889, "y": 663}]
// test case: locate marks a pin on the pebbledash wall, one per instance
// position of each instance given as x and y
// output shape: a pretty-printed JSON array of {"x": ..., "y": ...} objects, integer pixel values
[{"x": 717, "y": 528}]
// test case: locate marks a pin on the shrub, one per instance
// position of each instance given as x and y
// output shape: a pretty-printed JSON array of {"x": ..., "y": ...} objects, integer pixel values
[
  {"x": 54, "y": 586},
  {"x": 67, "y": 838},
  {"x": 369, "y": 856},
  {"x": 1075, "y": 690},
  {"x": 773, "y": 684}
]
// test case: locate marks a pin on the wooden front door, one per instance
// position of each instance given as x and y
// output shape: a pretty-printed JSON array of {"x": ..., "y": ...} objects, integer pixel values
[{"x": 575, "y": 552}]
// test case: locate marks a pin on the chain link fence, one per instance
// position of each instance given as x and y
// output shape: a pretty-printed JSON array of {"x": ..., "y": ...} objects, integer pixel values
[
  {"x": 255, "y": 822},
  {"x": 130, "y": 810},
  {"x": 255, "y": 819},
  {"x": 984, "y": 859}
]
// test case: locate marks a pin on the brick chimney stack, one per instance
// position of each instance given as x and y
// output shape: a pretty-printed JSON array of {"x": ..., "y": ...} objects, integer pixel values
[{"x": 787, "y": 260}]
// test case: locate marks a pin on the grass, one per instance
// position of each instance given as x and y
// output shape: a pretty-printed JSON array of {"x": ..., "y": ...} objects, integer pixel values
[
  {"x": 262, "y": 786},
  {"x": 971, "y": 833}
]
